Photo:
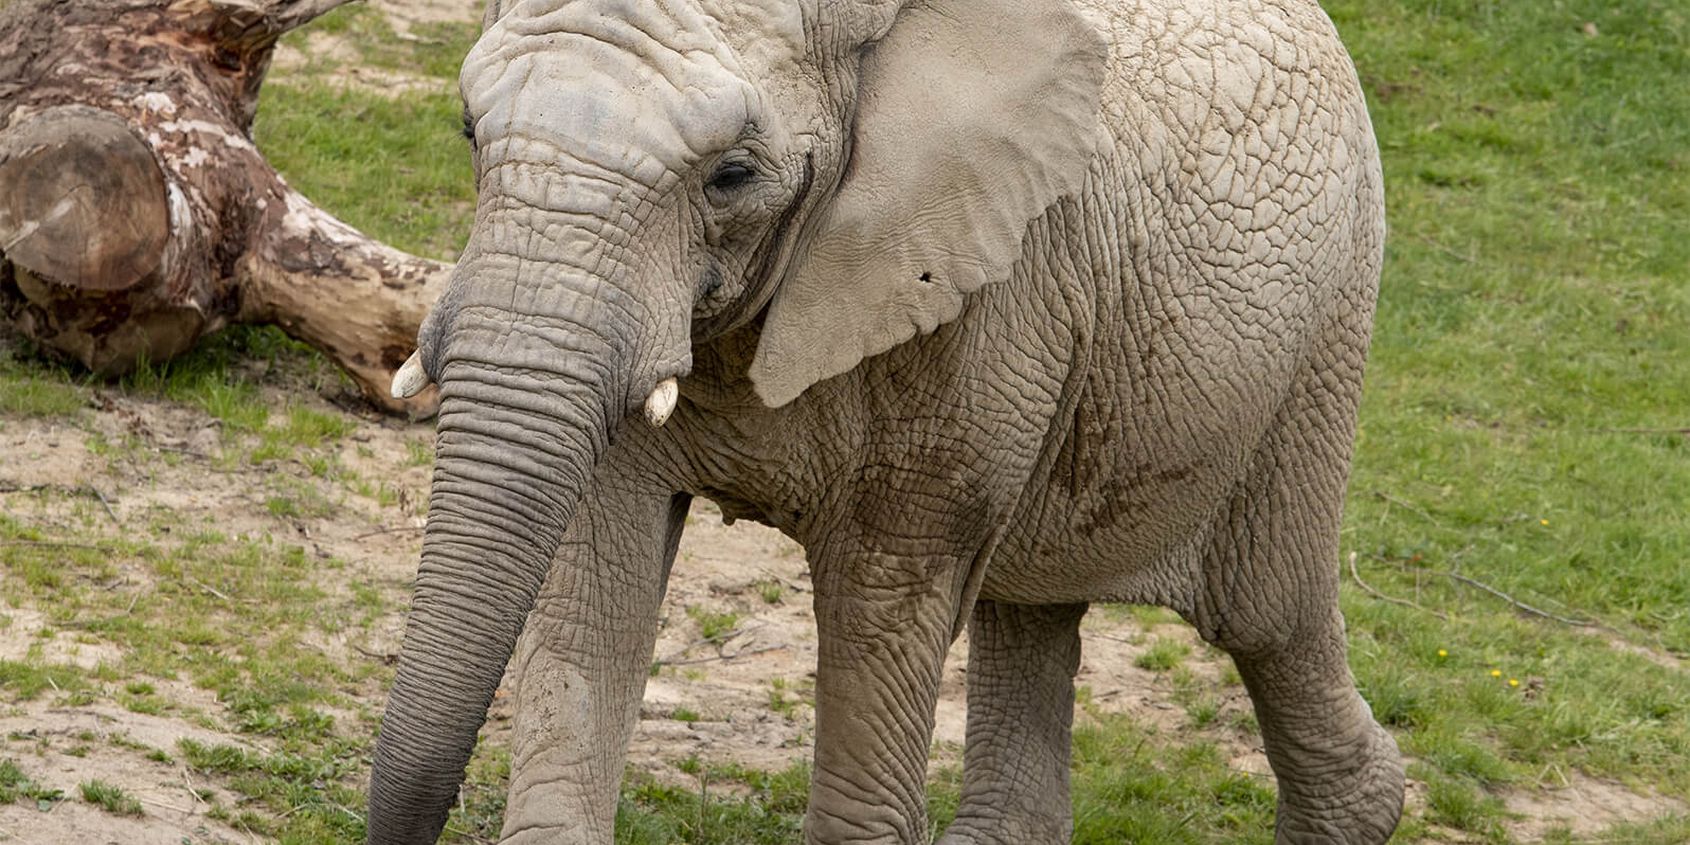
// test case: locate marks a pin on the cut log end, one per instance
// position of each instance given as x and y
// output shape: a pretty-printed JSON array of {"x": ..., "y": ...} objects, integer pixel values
[{"x": 82, "y": 200}]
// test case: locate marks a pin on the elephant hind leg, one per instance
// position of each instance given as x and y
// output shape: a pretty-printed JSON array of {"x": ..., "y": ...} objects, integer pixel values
[
  {"x": 1021, "y": 665},
  {"x": 1340, "y": 776},
  {"x": 1269, "y": 596}
]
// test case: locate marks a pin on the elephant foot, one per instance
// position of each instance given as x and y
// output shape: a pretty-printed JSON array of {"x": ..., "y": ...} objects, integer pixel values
[
  {"x": 1361, "y": 808},
  {"x": 976, "y": 836}
]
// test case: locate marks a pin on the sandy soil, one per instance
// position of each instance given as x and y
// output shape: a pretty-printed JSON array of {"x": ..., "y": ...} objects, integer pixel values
[
  {"x": 172, "y": 467},
  {"x": 719, "y": 569}
]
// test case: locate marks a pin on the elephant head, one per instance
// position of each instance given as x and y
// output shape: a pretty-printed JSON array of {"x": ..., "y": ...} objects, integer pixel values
[{"x": 653, "y": 174}]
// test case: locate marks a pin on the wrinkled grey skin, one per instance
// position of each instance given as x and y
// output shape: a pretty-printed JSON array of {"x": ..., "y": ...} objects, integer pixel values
[{"x": 1142, "y": 389}]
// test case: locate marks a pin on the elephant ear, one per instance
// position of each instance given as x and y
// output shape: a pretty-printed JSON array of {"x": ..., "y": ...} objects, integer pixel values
[{"x": 972, "y": 119}]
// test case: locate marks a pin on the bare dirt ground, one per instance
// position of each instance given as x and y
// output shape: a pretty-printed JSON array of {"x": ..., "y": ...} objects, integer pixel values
[{"x": 743, "y": 696}]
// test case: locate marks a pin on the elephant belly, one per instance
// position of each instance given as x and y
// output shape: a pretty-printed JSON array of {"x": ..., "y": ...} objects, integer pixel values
[{"x": 1133, "y": 536}]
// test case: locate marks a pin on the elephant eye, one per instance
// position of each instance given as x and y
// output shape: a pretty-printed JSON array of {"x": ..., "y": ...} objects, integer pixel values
[{"x": 729, "y": 176}]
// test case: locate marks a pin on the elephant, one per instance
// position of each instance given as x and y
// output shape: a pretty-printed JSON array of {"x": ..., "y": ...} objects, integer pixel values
[{"x": 999, "y": 308}]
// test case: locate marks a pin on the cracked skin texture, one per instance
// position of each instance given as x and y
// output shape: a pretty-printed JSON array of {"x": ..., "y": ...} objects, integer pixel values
[{"x": 1153, "y": 402}]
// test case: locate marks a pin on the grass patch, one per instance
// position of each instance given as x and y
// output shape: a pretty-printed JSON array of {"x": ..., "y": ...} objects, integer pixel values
[
  {"x": 110, "y": 798},
  {"x": 307, "y": 797},
  {"x": 398, "y": 169},
  {"x": 37, "y": 388},
  {"x": 1162, "y": 655},
  {"x": 15, "y": 785},
  {"x": 714, "y": 626},
  {"x": 728, "y": 805},
  {"x": 785, "y": 699}
]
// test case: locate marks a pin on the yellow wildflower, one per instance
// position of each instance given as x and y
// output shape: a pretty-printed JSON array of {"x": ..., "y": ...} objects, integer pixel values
[
  {"x": 1496, "y": 673},
  {"x": 1513, "y": 682}
]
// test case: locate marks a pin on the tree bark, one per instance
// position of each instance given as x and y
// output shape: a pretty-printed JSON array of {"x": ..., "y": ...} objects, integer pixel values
[{"x": 137, "y": 216}]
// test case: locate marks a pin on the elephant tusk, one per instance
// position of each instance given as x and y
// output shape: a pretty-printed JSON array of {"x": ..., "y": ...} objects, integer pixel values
[
  {"x": 661, "y": 403},
  {"x": 409, "y": 379}
]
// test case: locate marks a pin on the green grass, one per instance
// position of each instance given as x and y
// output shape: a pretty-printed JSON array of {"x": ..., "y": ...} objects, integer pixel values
[
  {"x": 110, "y": 798},
  {"x": 15, "y": 785},
  {"x": 1521, "y": 427},
  {"x": 1529, "y": 349},
  {"x": 1162, "y": 655},
  {"x": 714, "y": 626},
  {"x": 37, "y": 391}
]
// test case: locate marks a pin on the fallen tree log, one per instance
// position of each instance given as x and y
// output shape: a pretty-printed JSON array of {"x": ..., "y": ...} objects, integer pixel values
[{"x": 137, "y": 216}]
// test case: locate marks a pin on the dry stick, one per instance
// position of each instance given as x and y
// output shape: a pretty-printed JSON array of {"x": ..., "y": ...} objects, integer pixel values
[
  {"x": 210, "y": 589},
  {"x": 50, "y": 544},
  {"x": 470, "y": 836},
  {"x": 1467, "y": 259},
  {"x": 388, "y": 531},
  {"x": 1639, "y": 430},
  {"x": 83, "y": 490},
  {"x": 103, "y": 503},
  {"x": 1404, "y": 505},
  {"x": 168, "y": 806},
  {"x": 736, "y": 655},
  {"x": 1356, "y": 574},
  {"x": 189, "y": 783},
  {"x": 718, "y": 642},
  {"x": 1577, "y": 623},
  {"x": 388, "y": 659}
]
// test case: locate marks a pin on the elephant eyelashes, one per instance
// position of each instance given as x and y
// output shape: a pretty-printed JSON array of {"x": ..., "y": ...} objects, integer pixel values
[
  {"x": 468, "y": 129},
  {"x": 730, "y": 176}
]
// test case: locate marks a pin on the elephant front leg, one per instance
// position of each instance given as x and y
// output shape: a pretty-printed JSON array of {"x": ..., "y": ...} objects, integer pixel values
[
  {"x": 884, "y": 622},
  {"x": 1021, "y": 665},
  {"x": 582, "y": 663}
]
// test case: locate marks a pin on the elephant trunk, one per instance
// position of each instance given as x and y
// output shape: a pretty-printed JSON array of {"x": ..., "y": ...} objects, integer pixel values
[{"x": 529, "y": 403}]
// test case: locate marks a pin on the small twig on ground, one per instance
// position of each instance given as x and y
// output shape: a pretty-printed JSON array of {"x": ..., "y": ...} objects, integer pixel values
[
  {"x": 715, "y": 657},
  {"x": 54, "y": 544},
  {"x": 87, "y": 491},
  {"x": 1535, "y": 611},
  {"x": 795, "y": 586},
  {"x": 388, "y": 659},
  {"x": 1468, "y": 259},
  {"x": 1356, "y": 574},
  {"x": 168, "y": 806},
  {"x": 103, "y": 503},
  {"x": 1407, "y": 506},
  {"x": 189, "y": 783},
  {"x": 210, "y": 589},
  {"x": 181, "y": 451},
  {"x": 1639, "y": 430},
  {"x": 470, "y": 836},
  {"x": 380, "y": 531},
  {"x": 720, "y": 640}
]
